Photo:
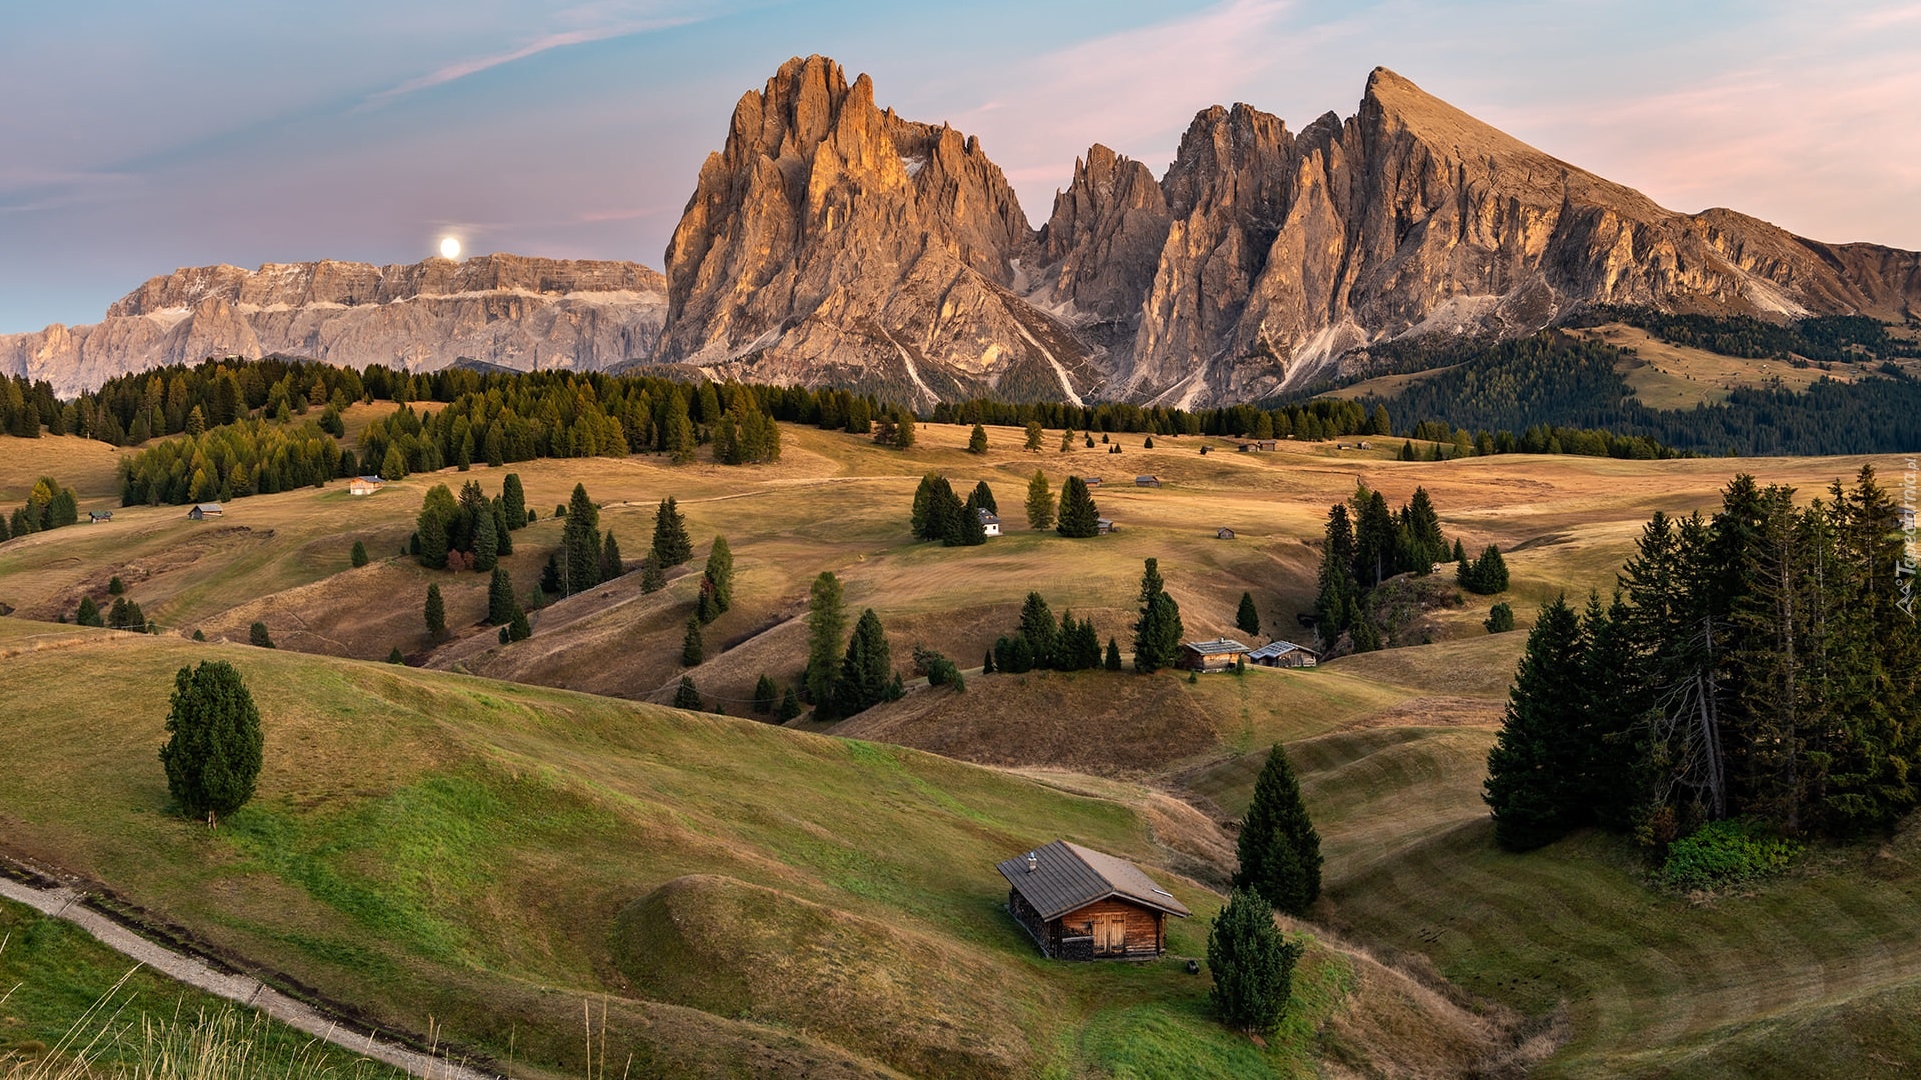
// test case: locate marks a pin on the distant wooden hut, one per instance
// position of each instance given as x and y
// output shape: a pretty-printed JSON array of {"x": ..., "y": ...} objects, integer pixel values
[
  {"x": 1147, "y": 481},
  {"x": 1217, "y": 655},
  {"x": 365, "y": 485},
  {"x": 1103, "y": 526},
  {"x": 1284, "y": 654},
  {"x": 95, "y": 517},
  {"x": 203, "y": 511},
  {"x": 1224, "y": 533},
  {"x": 1082, "y": 904},
  {"x": 990, "y": 523},
  {"x": 1091, "y": 481}
]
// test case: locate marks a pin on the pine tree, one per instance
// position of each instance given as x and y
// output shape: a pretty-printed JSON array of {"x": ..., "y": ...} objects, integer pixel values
[
  {"x": 866, "y": 671},
  {"x": 436, "y": 614},
  {"x": 1337, "y": 602},
  {"x": 692, "y": 649},
  {"x": 789, "y": 706},
  {"x": 550, "y": 578},
  {"x": 984, "y": 497},
  {"x": 677, "y": 432},
  {"x": 672, "y": 546},
  {"x": 116, "y": 587},
  {"x": 1247, "y": 619},
  {"x": 923, "y": 500},
  {"x": 1078, "y": 517},
  {"x": 765, "y": 695},
  {"x": 611, "y": 565},
  {"x": 486, "y": 540},
  {"x": 977, "y": 440},
  {"x": 1034, "y": 432},
  {"x": 500, "y": 598},
  {"x": 214, "y": 747},
  {"x": 518, "y": 628},
  {"x": 1040, "y": 503},
  {"x": 826, "y": 622},
  {"x": 1037, "y": 626},
  {"x": 904, "y": 434},
  {"x": 1252, "y": 964},
  {"x": 1532, "y": 786},
  {"x": 1500, "y": 618},
  {"x": 395, "y": 657},
  {"x": 503, "y": 535},
  {"x": 437, "y": 513},
  {"x": 687, "y": 697},
  {"x": 717, "y": 580},
  {"x": 987, "y": 663},
  {"x": 580, "y": 542},
  {"x": 1113, "y": 655},
  {"x": 1067, "y": 440},
  {"x": 126, "y": 615},
  {"x": 1158, "y": 631},
  {"x": 358, "y": 557},
  {"x": 1280, "y": 852},
  {"x": 89, "y": 614},
  {"x": 515, "y": 498},
  {"x": 973, "y": 528},
  {"x": 258, "y": 637},
  {"x": 652, "y": 580}
]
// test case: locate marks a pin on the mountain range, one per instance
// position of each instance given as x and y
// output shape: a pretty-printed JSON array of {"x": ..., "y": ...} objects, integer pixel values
[{"x": 831, "y": 241}]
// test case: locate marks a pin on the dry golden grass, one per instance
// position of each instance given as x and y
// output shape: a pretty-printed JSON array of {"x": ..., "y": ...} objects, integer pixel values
[{"x": 1664, "y": 375}]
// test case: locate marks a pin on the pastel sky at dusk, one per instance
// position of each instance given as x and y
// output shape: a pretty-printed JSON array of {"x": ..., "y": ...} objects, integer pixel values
[{"x": 139, "y": 137}]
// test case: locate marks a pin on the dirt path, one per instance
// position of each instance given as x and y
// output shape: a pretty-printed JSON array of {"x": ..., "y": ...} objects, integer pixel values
[{"x": 242, "y": 989}]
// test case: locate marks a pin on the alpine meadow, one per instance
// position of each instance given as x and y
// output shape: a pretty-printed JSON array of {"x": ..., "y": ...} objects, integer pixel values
[{"x": 1365, "y": 600}]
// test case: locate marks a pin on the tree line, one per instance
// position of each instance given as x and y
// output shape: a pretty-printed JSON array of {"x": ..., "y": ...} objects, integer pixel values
[
  {"x": 1754, "y": 664},
  {"x": 48, "y": 506},
  {"x": 1365, "y": 543}
]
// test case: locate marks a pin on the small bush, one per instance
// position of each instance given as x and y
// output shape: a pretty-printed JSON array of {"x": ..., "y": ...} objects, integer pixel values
[{"x": 1724, "y": 853}]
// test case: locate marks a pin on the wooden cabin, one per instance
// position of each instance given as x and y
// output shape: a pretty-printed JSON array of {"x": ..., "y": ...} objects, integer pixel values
[
  {"x": 990, "y": 523},
  {"x": 94, "y": 517},
  {"x": 365, "y": 485},
  {"x": 1147, "y": 481},
  {"x": 1091, "y": 481},
  {"x": 1266, "y": 444},
  {"x": 1103, "y": 526},
  {"x": 1081, "y": 904},
  {"x": 203, "y": 511},
  {"x": 1223, "y": 533},
  {"x": 1284, "y": 654},
  {"x": 1217, "y": 655}
]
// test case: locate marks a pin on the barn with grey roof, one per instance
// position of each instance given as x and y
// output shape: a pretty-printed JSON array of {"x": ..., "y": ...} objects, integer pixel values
[{"x": 1081, "y": 904}]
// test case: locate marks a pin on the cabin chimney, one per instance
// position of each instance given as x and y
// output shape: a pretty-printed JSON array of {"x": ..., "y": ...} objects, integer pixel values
[{"x": 1033, "y": 862}]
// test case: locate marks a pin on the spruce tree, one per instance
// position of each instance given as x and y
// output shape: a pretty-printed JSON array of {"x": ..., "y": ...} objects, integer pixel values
[
  {"x": 672, "y": 546},
  {"x": 984, "y": 497},
  {"x": 1078, "y": 517},
  {"x": 395, "y": 657},
  {"x": 923, "y": 496},
  {"x": 1532, "y": 787},
  {"x": 1252, "y": 964},
  {"x": 826, "y": 622},
  {"x": 486, "y": 540},
  {"x": 258, "y": 637},
  {"x": 717, "y": 579},
  {"x": 1247, "y": 619},
  {"x": 789, "y": 706},
  {"x": 1337, "y": 602},
  {"x": 765, "y": 695},
  {"x": 580, "y": 542},
  {"x": 126, "y": 615},
  {"x": 437, "y": 513},
  {"x": 436, "y": 614},
  {"x": 518, "y": 628},
  {"x": 1158, "y": 631},
  {"x": 652, "y": 580},
  {"x": 1113, "y": 655},
  {"x": 866, "y": 671},
  {"x": 611, "y": 565},
  {"x": 687, "y": 697},
  {"x": 977, "y": 440},
  {"x": 500, "y": 598},
  {"x": 358, "y": 557},
  {"x": 1040, "y": 503},
  {"x": 692, "y": 649},
  {"x": 1500, "y": 618},
  {"x": 89, "y": 613},
  {"x": 1034, "y": 432},
  {"x": 116, "y": 587},
  {"x": 515, "y": 499},
  {"x": 973, "y": 529},
  {"x": 1280, "y": 852},
  {"x": 1037, "y": 626},
  {"x": 503, "y": 533},
  {"x": 677, "y": 431},
  {"x": 213, "y": 752},
  {"x": 987, "y": 663}
]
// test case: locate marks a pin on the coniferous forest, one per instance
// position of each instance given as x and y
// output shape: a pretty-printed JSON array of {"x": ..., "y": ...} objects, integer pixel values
[{"x": 1754, "y": 664}]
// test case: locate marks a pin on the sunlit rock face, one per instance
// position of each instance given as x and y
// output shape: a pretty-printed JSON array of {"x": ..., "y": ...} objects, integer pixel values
[{"x": 517, "y": 312}]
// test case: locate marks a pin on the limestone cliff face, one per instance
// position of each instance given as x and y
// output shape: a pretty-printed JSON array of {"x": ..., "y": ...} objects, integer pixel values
[
  {"x": 517, "y": 312},
  {"x": 832, "y": 242}
]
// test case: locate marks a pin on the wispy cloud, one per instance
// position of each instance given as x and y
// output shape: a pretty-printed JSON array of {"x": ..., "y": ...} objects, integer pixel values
[{"x": 461, "y": 69}]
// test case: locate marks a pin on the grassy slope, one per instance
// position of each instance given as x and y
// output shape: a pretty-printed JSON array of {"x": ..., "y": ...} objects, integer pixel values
[
  {"x": 52, "y": 974},
  {"x": 428, "y": 846}
]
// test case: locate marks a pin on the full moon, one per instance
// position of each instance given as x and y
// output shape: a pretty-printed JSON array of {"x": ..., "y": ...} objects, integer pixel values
[{"x": 450, "y": 248}]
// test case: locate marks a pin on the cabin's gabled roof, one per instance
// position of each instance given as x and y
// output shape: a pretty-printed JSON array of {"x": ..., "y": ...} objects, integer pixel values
[
  {"x": 1279, "y": 648},
  {"x": 1215, "y": 647},
  {"x": 1068, "y": 876}
]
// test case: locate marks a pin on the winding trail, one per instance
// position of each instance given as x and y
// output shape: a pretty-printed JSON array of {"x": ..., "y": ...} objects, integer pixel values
[{"x": 244, "y": 990}]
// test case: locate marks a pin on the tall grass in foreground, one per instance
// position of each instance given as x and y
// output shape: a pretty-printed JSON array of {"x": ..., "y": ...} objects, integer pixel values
[{"x": 105, "y": 1043}]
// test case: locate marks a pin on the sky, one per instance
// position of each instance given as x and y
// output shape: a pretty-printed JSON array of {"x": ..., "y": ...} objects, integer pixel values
[{"x": 140, "y": 137}]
